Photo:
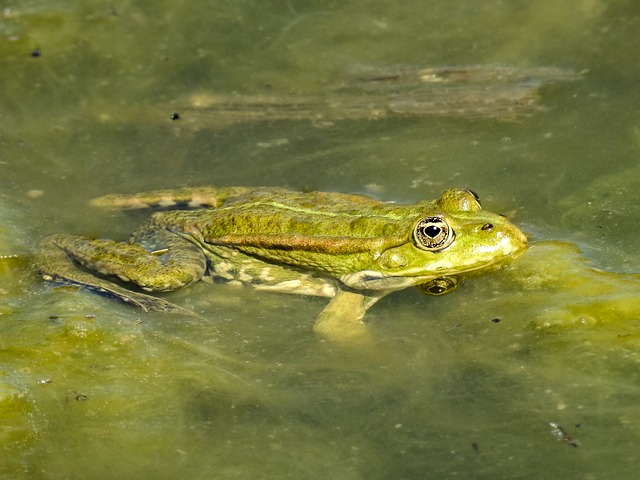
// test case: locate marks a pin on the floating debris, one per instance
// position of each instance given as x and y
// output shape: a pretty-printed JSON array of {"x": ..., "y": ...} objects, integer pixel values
[
  {"x": 561, "y": 434},
  {"x": 473, "y": 92}
]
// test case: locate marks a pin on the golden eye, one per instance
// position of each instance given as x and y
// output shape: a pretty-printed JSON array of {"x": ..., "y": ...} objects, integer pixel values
[{"x": 433, "y": 234}]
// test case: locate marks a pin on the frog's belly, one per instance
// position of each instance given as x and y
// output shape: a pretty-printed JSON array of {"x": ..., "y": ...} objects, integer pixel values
[{"x": 260, "y": 275}]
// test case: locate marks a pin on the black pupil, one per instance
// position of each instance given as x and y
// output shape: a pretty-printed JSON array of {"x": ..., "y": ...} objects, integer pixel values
[
  {"x": 432, "y": 231},
  {"x": 436, "y": 289}
]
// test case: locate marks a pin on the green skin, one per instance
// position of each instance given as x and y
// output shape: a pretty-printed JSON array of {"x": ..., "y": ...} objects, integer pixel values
[{"x": 350, "y": 248}]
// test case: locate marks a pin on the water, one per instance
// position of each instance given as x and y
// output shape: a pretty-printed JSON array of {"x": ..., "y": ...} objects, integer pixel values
[{"x": 460, "y": 386}]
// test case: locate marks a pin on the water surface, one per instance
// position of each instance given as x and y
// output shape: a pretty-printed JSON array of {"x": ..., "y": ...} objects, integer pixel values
[{"x": 459, "y": 386}]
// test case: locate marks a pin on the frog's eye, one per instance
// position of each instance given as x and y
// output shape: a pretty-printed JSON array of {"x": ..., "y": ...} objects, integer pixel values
[
  {"x": 433, "y": 234},
  {"x": 439, "y": 286},
  {"x": 459, "y": 200},
  {"x": 475, "y": 195}
]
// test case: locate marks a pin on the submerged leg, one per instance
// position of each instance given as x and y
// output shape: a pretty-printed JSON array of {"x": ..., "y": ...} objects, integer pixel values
[
  {"x": 158, "y": 261},
  {"x": 341, "y": 320}
]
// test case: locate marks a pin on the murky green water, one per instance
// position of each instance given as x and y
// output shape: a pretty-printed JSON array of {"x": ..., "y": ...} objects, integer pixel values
[{"x": 459, "y": 386}]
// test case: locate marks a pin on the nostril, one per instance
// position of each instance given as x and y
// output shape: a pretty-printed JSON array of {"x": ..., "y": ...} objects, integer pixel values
[{"x": 487, "y": 226}]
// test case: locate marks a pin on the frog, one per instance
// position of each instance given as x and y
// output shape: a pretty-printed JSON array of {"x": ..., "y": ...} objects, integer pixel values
[{"x": 350, "y": 248}]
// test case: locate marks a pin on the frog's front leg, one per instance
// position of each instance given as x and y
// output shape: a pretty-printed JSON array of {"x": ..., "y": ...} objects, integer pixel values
[
  {"x": 155, "y": 260},
  {"x": 341, "y": 319}
]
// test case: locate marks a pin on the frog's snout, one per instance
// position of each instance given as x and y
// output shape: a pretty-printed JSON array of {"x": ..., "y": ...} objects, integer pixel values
[{"x": 519, "y": 240}]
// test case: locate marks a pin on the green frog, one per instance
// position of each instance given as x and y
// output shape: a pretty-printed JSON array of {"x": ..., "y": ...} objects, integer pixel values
[{"x": 350, "y": 248}]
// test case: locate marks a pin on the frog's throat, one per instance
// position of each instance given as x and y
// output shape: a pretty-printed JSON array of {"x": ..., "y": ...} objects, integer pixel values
[{"x": 374, "y": 280}]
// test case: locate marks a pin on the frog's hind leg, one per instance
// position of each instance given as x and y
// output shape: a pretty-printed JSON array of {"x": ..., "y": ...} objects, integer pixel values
[
  {"x": 161, "y": 264},
  {"x": 188, "y": 197},
  {"x": 54, "y": 264}
]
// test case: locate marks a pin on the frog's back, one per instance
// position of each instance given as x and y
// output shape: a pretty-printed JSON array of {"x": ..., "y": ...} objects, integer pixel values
[
  {"x": 219, "y": 211},
  {"x": 313, "y": 214}
]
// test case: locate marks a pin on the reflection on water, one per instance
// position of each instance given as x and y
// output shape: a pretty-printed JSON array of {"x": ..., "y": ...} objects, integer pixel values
[{"x": 465, "y": 385}]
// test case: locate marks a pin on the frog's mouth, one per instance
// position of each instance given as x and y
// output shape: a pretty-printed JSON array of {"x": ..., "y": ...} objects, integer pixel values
[
  {"x": 374, "y": 280},
  {"x": 370, "y": 280}
]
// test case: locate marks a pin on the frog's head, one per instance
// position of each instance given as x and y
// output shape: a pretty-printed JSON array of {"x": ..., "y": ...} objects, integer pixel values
[{"x": 454, "y": 235}]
